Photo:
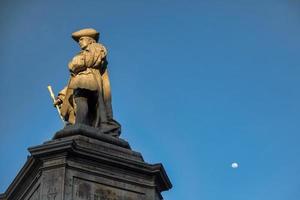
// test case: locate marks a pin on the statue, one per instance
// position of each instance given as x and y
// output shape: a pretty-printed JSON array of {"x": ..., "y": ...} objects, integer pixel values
[{"x": 87, "y": 97}]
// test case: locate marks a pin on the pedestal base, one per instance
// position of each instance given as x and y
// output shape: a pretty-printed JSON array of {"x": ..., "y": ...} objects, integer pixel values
[{"x": 78, "y": 167}]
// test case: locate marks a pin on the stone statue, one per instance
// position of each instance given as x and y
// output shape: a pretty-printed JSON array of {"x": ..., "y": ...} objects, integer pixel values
[{"x": 87, "y": 97}]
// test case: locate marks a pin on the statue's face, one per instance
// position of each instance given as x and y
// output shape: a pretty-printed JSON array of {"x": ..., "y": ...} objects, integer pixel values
[{"x": 84, "y": 42}]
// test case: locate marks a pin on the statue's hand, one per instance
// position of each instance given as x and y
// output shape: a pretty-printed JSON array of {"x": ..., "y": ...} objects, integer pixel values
[{"x": 57, "y": 102}]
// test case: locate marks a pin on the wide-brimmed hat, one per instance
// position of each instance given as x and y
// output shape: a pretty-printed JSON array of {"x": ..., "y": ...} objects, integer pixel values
[{"x": 87, "y": 32}]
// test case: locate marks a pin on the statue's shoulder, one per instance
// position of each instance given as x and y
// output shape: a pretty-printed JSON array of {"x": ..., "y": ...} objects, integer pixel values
[{"x": 97, "y": 47}]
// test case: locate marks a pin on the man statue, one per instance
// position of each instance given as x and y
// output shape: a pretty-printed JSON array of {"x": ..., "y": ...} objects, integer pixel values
[{"x": 87, "y": 97}]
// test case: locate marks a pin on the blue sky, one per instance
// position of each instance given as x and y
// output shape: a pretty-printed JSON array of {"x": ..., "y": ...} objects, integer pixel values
[{"x": 196, "y": 85}]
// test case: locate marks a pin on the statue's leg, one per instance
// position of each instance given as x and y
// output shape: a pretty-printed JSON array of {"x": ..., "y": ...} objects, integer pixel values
[
  {"x": 82, "y": 108},
  {"x": 92, "y": 104}
]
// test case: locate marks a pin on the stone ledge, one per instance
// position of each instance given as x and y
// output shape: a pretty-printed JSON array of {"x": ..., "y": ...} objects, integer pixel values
[{"x": 80, "y": 129}]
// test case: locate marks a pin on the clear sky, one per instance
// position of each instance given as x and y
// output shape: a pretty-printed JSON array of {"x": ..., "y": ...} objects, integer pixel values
[{"x": 196, "y": 85}]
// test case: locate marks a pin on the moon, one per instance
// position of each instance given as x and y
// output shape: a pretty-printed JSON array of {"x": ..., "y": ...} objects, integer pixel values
[{"x": 234, "y": 165}]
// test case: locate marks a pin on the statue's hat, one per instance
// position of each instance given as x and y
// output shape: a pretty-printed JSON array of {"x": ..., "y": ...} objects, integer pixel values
[{"x": 87, "y": 32}]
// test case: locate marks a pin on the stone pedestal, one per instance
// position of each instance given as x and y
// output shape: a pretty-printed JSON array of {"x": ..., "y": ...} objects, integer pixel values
[{"x": 80, "y": 164}]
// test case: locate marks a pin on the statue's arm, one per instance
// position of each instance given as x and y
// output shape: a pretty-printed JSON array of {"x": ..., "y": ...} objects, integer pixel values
[{"x": 103, "y": 61}]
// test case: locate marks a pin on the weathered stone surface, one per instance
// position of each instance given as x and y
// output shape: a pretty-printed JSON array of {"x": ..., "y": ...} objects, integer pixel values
[
  {"x": 75, "y": 166},
  {"x": 81, "y": 129}
]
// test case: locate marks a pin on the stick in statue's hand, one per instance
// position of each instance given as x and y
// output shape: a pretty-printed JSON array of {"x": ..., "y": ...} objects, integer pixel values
[{"x": 53, "y": 98}]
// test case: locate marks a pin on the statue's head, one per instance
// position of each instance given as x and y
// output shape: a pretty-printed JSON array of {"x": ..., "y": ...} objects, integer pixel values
[
  {"x": 85, "y": 41},
  {"x": 85, "y": 37}
]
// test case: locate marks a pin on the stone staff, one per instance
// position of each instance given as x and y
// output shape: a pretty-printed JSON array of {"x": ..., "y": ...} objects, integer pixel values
[{"x": 53, "y": 98}]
